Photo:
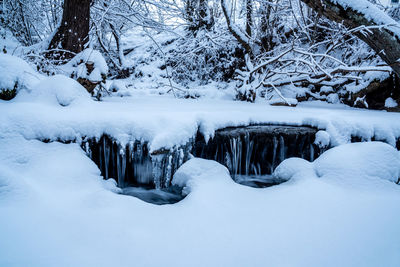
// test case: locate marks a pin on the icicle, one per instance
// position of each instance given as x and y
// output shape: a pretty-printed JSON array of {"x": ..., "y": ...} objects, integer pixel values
[
  {"x": 282, "y": 149},
  {"x": 311, "y": 152},
  {"x": 157, "y": 171},
  {"x": 106, "y": 151},
  {"x": 181, "y": 156},
  {"x": 249, "y": 151},
  {"x": 87, "y": 149},
  {"x": 236, "y": 155},
  {"x": 119, "y": 178},
  {"x": 121, "y": 166},
  {"x": 168, "y": 171},
  {"x": 274, "y": 149}
]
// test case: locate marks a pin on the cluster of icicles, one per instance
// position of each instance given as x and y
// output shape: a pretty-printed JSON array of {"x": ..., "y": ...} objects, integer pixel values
[{"x": 246, "y": 151}]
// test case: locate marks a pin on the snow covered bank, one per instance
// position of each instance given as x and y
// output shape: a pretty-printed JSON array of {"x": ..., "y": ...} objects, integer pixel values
[
  {"x": 16, "y": 74},
  {"x": 44, "y": 111},
  {"x": 58, "y": 90},
  {"x": 166, "y": 122},
  {"x": 57, "y": 211},
  {"x": 350, "y": 163}
]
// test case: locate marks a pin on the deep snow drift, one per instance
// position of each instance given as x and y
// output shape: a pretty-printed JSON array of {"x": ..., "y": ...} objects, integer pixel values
[{"x": 57, "y": 211}]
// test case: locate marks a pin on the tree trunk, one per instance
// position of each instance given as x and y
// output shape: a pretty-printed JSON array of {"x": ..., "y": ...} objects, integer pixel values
[
  {"x": 384, "y": 41},
  {"x": 249, "y": 17},
  {"x": 73, "y": 33}
]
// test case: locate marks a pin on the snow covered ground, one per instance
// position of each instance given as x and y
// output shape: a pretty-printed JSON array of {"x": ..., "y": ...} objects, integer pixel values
[
  {"x": 165, "y": 121},
  {"x": 57, "y": 211}
]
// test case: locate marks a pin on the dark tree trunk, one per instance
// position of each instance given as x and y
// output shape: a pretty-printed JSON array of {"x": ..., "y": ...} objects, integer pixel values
[
  {"x": 73, "y": 33},
  {"x": 383, "y": 41},
  {"x": 249, "y": 17}
]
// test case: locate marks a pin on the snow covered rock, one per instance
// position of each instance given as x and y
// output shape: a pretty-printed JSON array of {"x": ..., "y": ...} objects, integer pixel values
[
  {"x": 15, "y": 75},
  {"x": 198, "y": 171},
  {"x": 292, "y": 168},
  {"x": 390, "y": 103},
  {"x": 56, "y": 90},
  {"x": 89, "y": 68},
  {"x": 291, "y": 102},
  {"x": 333, "y": 98},
  {"x": 119, "y": 88},
  {"x": 322, "y": 139},
  {"x": 351, "y": 162},
  {"x": 93, "y": 56},
  {"x": 373, "y": 160},
  {"x": 326, "y": 89}
]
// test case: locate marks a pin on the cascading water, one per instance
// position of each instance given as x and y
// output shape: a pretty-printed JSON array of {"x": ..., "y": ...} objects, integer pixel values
[
  {"x": 137, "y": 171},
  {"x": 252, "y": 153}
]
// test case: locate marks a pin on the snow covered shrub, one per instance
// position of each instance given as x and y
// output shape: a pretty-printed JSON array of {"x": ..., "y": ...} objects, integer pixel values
[
  {"x": 89, "y": 68},
  {"x": 296, "y": 53},
  {"x": 30, "y": 21},
  {"x": 204, "y": 57},
  {"x": 56, "y": 90},
  {"x": 15, "y": 75}
]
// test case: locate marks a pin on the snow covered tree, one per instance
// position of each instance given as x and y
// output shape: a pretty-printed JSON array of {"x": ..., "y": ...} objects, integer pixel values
[
  {"x": 30, "y": 21},
  {"x": 73, "y": 32},
  {"x": 198, "y": 14},
  {"x": 381, "y": 32}
]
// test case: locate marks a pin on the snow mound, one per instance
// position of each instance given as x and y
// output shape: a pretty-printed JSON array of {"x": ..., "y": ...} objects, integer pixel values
[
  {"x": 322, "y": 139},
  {"x": 333, "y": 98},
  {"x": 390, "y": 103},
  {"x": 119, "y": 88},
  {"x": 79, "y": 69},
  {"x": 293, "y": 168},
  {"x": 197, "y": 171},
  {"x": 8, "y": 42},
  {"x": 16, "y": 73},
  {"x": 56, "y": 90},
  {"x": 364, "y": 160}
]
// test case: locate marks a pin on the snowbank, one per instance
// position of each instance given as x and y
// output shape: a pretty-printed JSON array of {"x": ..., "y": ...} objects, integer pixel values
[
  {"x": 351, "y": 163},
  {"x": 372, "y": 160},
  {"x": 166, "y": 122},
  {"x": 294, "y": 168},
  {"x": 16, "y": 73},
  {"x": 197, "y": 171},
  {"x": 8, "y": 42},
  {"x": 57, "y": 211},
  {"x": 57, "y": 90}
]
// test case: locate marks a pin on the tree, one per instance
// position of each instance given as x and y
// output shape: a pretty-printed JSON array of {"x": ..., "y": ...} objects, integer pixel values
[
  {"x": 73, "y": 33},
  {"x": 381, "y": 32}
]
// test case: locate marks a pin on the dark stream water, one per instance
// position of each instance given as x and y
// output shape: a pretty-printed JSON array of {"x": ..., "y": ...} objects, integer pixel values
[{"x": 250, "y": 153}]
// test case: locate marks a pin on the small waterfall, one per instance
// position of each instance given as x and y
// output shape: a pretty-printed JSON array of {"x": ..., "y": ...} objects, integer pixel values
[
  {"x": 257, "y": 150},
  {"x": 133, "y": 164}
]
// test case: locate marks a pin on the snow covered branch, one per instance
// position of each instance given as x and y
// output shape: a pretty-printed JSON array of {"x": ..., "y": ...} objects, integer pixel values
[{"x": 384, "y": 35}]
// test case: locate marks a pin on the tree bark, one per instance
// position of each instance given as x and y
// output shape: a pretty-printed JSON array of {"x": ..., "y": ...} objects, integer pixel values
[
  {"x": 383, "y": 41},
  {"x": 73, "y": 33},
  {"x": 249, "y": 17}
]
